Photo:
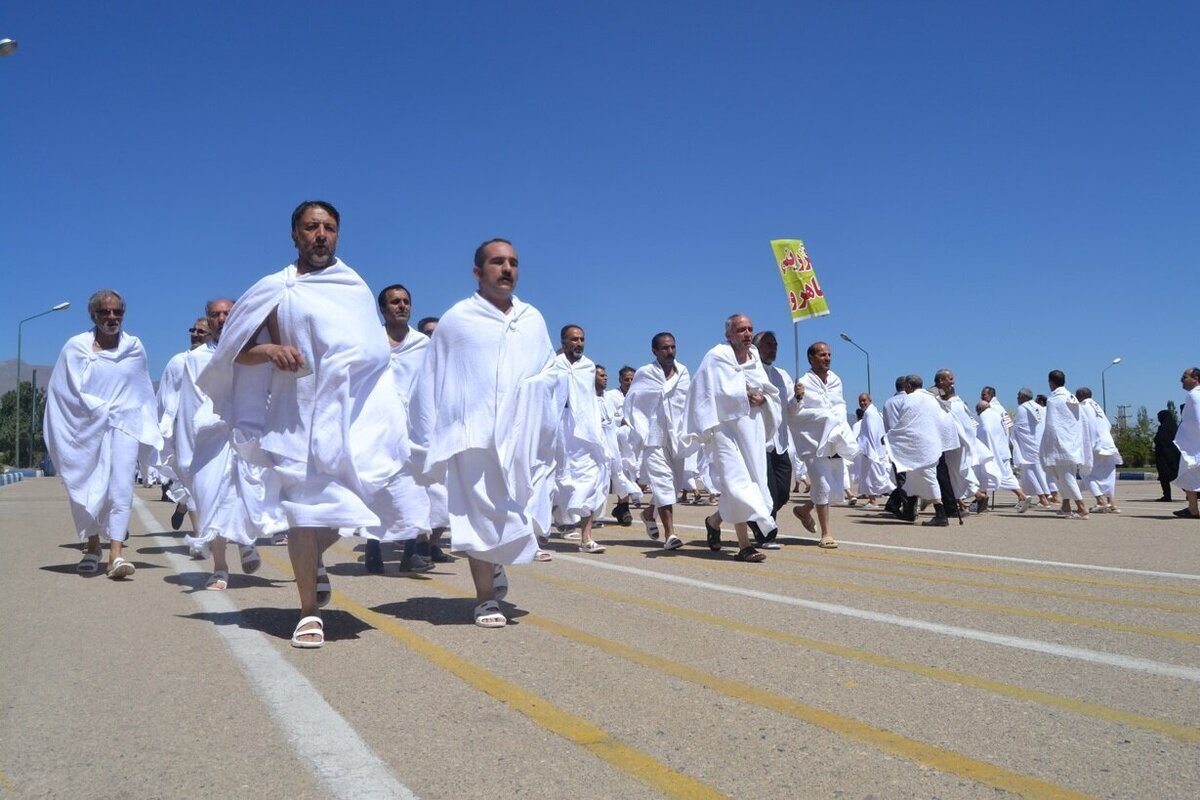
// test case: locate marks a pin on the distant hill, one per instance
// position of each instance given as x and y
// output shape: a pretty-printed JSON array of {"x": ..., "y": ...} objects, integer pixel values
[{"x": 8, "y": 374}]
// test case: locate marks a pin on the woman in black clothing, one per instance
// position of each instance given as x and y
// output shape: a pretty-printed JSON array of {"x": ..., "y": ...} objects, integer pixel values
[{"x": 1166, "y": 454}]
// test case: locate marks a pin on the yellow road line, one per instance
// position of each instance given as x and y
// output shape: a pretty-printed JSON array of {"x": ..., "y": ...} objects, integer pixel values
[
  {"x": 839, "y": 564},
  {"x": 1181, "y": 732},
  {"x": 574, "y": 729},
  {"x": 1018, "y": 573},
  {"x": 920, "y": 752},
  {"x": 1051, "y": 616}
]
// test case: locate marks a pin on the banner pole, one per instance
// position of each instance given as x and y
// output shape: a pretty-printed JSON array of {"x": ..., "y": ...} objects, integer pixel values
[{"x": 796, "y": 347}]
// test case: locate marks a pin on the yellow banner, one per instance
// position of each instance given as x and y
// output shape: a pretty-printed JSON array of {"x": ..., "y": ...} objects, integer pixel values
[{"x": 805, "y": 298}]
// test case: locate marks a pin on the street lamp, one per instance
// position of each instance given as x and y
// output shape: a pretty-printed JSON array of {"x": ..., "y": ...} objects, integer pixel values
[
  {"x": 846, "y": 338},
  {"x": 1104, "y": 387},
  {"x": 7, "y": 47},
  {"x": 17, "y": 452}
]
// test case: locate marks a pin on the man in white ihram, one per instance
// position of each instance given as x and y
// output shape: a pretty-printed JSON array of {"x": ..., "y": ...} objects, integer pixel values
[
  {"x": 1101, "y": 481},
  {"x": 1187, "y": 439},
  {"x": 333, "y": 433},
  {"x": 484, "y": 427},
  {"x": 1064, "y": 450},
  {"x": 100, "y": 415},
  {"x": 734, "y": 410},
  {"x": 582, "y": 477}
]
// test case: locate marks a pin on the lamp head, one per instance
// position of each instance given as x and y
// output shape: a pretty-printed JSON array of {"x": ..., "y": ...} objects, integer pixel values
[
  {"x": 61, "y": 306},
  {"x": 7, "y": 47},
  {"x": 845, "y": 338},
  {"x": 1116, "y": 360}
]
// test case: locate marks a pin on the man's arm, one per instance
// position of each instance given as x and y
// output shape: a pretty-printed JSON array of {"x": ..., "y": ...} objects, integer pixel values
[{"x": 284, "y": 357}]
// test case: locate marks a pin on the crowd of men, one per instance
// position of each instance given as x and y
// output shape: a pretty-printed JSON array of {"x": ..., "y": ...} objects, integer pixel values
[{"x": 294, "y": 416}]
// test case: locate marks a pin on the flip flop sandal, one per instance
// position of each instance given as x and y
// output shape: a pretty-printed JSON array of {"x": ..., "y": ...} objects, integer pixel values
[
  {"x": 714, "y": 535},
  {"x": 500, "y": 582},
  {"x": 120, "y": 569},
  {"x": 827, "y": 544},
  {"x": 543, "y": 555},
  {"x": 218, "y": 581},
  {"x": 318, "y": 631},
  {"x": 251, "y": 560},
  {"x": 749, "y": 554},
  {"x": 487, "y": 615},
  {"x": 324, "y": 588},
  {"x": 89, "y": 564}
]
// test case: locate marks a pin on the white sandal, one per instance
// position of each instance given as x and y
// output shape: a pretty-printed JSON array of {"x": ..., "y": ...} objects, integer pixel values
[
  {"x": 251, "y": 560},
  {"x": 591, "y": 547},
  {"x": 487, "y": 615},
  {"x": 218, "y": 581},
  {"x": 120, "y": 569},
  {"x": 89, "y": 564},
  {"x": 318, "y": 631}
]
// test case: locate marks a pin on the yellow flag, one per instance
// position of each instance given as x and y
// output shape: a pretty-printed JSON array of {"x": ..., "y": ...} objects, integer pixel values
[{"x": 805, "y": 298}]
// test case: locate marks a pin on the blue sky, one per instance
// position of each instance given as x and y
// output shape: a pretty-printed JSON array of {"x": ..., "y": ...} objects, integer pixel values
[{"x": 1002, "y": 189}]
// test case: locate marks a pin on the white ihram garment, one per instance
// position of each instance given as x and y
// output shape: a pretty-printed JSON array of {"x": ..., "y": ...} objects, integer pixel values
[
  {"x": 735, "y": 434},
  {"x": 873, "y": 465},
  {"x": 656, "y": 410},
  {"x": 997, "y": 474},
  {"x": 582, "y": 475},
  {"x": 914, "y": 443},
  {"x": 1027, "y": 444},
  {"x": 1063, "y": 450},
  {"x": 820, "y": 431},
  {"x": 168, "y": 403},
  {"x": 1187, "y": 439},
  {"x": 100, "y": 422},
  {"x": 237, "y": 499},
  {"x": 333, "y": 432},
  {"x": 407, "y": 360},
  {"x": 485, "y": 416},
  {"x": 1102, "y": 479}
]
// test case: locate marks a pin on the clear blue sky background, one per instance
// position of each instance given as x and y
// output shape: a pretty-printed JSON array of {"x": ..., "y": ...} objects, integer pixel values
[{"x": 998, "y": 188}]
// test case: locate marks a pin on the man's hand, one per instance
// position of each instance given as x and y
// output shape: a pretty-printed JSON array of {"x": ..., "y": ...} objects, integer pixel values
[
  {"x": 756, "y": 398},
  {"x": 284, "y": 357},
  {"x": 799, "y": 390}
]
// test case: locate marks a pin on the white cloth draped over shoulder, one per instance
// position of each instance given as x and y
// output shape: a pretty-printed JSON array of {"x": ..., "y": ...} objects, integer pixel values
[
  {"x": 334, "y": 431},
  {"x": 165, "y": 462},
  {"x": 582, "y": 474},
  {"x": 484, "y": 418},
  {"x": 992, "y": 433},
  {"x": 818, "y": 423},
  {"x": 656, "y": 406},
  {"x": 735, "y": 434},
  {"x": 408, "y": 364},
  {"x": 90, "y": 394},
  {"x": 874, "y": 467},
  {"x": 236, "y": 498},
  {"x": 1063, "y": 435},
  {"x": 1187, "y": 439},
  {"x": 1027, "y": 433},
  {"x": 915, "y": 440}
]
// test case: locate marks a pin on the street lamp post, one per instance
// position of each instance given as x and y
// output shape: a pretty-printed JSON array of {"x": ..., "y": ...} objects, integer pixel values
[
  {"x": 1104, "y": 386},
  {"x": 17, "y": 450},
  {"x": 846, "y": 338}
]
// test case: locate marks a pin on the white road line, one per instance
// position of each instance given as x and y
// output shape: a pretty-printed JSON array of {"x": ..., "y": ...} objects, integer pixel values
[
  {"x": 1017, "y": 642},
  {"x": 1183, "y": 576},
  {"x": 322, "y": 739}
]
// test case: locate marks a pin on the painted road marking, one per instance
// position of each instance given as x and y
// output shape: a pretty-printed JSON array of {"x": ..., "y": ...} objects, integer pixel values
[
  {"x": 886, "y": 741},
  {"x": 322, "y": 739},
  {"x": 577, "y": 730},
  {"x": 1020, "y": 643},
  {"x": 1183, "y": 733}
]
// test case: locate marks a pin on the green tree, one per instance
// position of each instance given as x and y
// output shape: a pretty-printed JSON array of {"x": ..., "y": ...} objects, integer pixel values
[
  {"x": 31, "y": 453},
  {"x": 1136, "y": 442}
]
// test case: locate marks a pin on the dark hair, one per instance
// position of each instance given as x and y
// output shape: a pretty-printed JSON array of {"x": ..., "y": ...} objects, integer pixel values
[
  {"x": 901, "y": 382},
  {"x": 425, "y": 321},
  {"x": 990, "y": 390},
  {"x": 758, "y": 337},
  {"x": 1193, "y": 373},
  {"x": 601, "y": 366},
  {"x": 812, "y": 348},
  {"x": 479, "y": 251},
  {"x": 563, "y": 333},
  {"x": 914, "y": 382},
  {"x": 321, "y": 204},
  {"x": 1057, "y": 378},
  {"x": 1083, "y": 393},
  {"x": 382, "y": 297},
  {"x": 625, "y": 369},
  {"x": 657, "y": 336}
]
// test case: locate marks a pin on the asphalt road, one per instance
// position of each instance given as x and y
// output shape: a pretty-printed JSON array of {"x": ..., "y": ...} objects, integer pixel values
[{"x": 1017, "y": 654}]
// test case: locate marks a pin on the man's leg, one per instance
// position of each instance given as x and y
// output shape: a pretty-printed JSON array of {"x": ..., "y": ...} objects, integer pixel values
[
  {"x": 305, "y": 546},
  {"x": 1192, "y": 502},
  {"x": 779, "y": 480},
  {"x": 483, "y": 573}
]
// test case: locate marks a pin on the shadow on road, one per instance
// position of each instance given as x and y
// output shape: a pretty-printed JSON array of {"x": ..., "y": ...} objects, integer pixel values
[
  {"x": 194, "y": 581},
  {"x": 442, "y": 610},
  {"x": 280, "y": 622}
]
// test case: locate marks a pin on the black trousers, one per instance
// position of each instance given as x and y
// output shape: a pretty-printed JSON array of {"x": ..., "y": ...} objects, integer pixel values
[
  {"x": 779, "y": 480},
  {"x": 949, "y": 501}
]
